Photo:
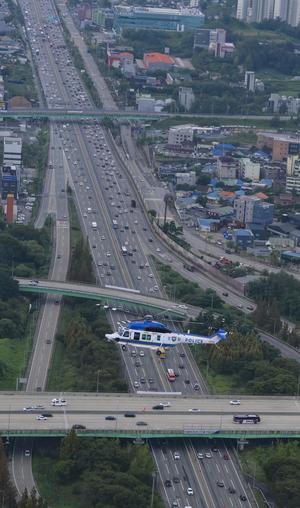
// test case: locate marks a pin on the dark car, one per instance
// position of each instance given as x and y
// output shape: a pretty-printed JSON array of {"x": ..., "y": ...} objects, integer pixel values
[
  {"x": 48, "y": 415},
  {"x": 231, "y": 490},
  {"x": 141, "y": 423},
  {"x": 168, "y": 483},
  {"x": 187, "y": 381},
  {"x": 250, "y": 308},
  {"x": 79, "y": 426},
  {"x": 182, "y": 355},
  {"x": 228, "y": 251},
  {"x": 225, "y": 294},
  {"x": 129, "y": 415},
  {"x": 243, "y": 498},
  {"x": 215, "y": 449},
  {"x": 176, "y": 479},
  {"x": 181, "y": 366},
  {"x": 48, "y": 341},
  {"x": 151, "y": 380},
  {"x": 176, "y": 374},
  {"x": 38, "y": 388},
  {"x": 150, "y": 240},
  {"x": 158, "y": 406},
  {"x": 137, "y": 363},
  {"x": 110, "y": 417}
]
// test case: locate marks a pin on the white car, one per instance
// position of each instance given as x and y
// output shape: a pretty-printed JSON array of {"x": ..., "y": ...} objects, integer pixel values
[
  {"x": 189, "y": 491},
  {"x": 200, "y": 455},
  {"x": 235, "y": 402},
  {"x": 108, "y": 254},
  {"x": 151, "y": 276},
  {"x": 142, "y": 353},
  {"x": 158, "y": 249},
  {"x": 27, "y": 453},
  {"x": 165, "y": 404},
  {"x": 194, "y": 410},
  {"x": 41, "y": 417},
  {"x": 28, "y": 408},
  {"x": 32, "y": 283},
  {"x": 177, "y": 456},
  {"x": 183, "y": 307}
]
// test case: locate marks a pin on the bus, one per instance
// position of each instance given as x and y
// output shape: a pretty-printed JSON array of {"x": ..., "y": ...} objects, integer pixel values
[
  {"x": 171, "y": 375},
  {"x": 124, "y": 251},
  {"x": 114, "y": 224},
  {"x": 246, "y": 419},
  {"x": 94, "y": 226}
]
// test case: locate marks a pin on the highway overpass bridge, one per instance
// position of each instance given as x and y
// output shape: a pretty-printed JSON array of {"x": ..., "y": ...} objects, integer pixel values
[
  {"x": 111, "y": 294},
  {"x": 279, "y": 416},
  {"x": 69, "y": 114}
]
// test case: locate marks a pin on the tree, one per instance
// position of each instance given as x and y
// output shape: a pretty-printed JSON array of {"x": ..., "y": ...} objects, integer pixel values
[
  {"x": 259, "y": 316},
  {"x": 274, "y": 317},
  {"x": 283, "y": 108}
]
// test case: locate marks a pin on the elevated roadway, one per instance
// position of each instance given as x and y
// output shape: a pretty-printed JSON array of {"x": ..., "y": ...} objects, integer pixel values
[{"x": 279, "y": 416}]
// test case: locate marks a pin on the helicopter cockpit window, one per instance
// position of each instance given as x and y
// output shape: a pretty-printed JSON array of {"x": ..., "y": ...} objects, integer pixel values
[
  {"x": 143, "y": 336},
  {"x": 126, "y": 334},
  {"x": 136, "y": 336}
]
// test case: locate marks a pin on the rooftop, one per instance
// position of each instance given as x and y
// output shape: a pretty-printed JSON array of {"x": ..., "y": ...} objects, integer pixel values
[{"x": 243, "y": 232}]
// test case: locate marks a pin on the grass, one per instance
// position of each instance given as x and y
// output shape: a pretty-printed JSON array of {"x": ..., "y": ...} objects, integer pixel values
[
  {"x": 214, "y": 121},
  {"x": 75, "y": 232}
]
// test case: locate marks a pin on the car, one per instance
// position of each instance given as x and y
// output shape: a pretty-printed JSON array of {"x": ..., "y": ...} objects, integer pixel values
[
  {"x": 194, "y": 410},
  {"x": 32, "y": 283},
  {"x": 243, "y": 498},
  {"x": 147, "y": 264},
  {"x": 208, "y": 455},
  {"x": 58, "y": 256},
  {"x": 79, "y": 426},
  {"x": 189, "y": 491},
  {"x": 110, "y": 418},
  {"x": 137, "y": 363},
  {"x": 177, "y": 456},
  {"x": 181, "y": 366},
  {"x": 94, "y": 246},
  {"x": 151, "y": 380},
  {"x": 220, "y": 483},
  {"x": 165, "y": 404},
  {"x": 48, "y": 415},
  {"x": 196, "y": 386},
  {"x": 108, "y": 254},
  {"x": 141, "y": 423},
  {"x": 39, "y": 406},
  {"x": 225, "y": 294},
  {"x": 176, "y": 479},
  {"x": 142, "y": 353},
  {"x": 158, "y": 249},
  {"x": 187, "y": 381},
  {"x": 174, "y": 504},
  {"x": 28, "y": 409},
  {"x": 144, "y": 229},
  {"x": 168, "y": 483},
  {"x": 183, "y": 307},
  {"x": 215, "y": 449},
  {"x": 250, "y": 308},
  {"x": 48, "y": 341},
  {"x": 226, "y": 457},
  {"x": 136, "y": 384},
  {"x": 41, "y": 417},
  {"x": 235, "y": 402},
  {"x": 99, "y": 263},
  {"x": 27, "y": 453},
  {"x": 142, "y": 380},
  {"x": 128, "y": 414},
  {"x": 150, "y": 240},
  {"x": 231, "y": 490},
  {"x": 240, "y": 306},
  {"x": 102, "y": 237},
  {"x": 158, "y": 406},
  {"x": 182, "y": 355},
  {"x": 176, "y": 374},
  {"x": 200, "y": 455}
]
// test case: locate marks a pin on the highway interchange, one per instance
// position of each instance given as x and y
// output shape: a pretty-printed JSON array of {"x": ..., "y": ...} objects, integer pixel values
[{"x": 84, "y": 157}]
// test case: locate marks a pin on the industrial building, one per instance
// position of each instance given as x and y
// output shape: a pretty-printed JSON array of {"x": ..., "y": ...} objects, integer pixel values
[
  {"x": 156, "y": 18},
  {"x": 242, "y": 238}
]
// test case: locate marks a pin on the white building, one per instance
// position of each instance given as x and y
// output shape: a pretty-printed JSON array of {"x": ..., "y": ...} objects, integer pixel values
[
  {"x": 145, "y": 103},
  {"x": 12, "y": 153},
  {"x": 244, "y": 207},
  {"x": 250, "y": 80},
  {"x": 292, "y": 104},
  {"x": 257, "y": 10},
  {"x": 180, "y": 133},
  {"x": 189, "y": 178},
  {"x": 249, "y": 170},
  {"x": 226, "y": 167},
  {"x": 186, "y": 97}
]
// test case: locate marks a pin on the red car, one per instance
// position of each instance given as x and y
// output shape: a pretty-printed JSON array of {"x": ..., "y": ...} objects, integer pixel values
[{"x": 225, "y": 457}]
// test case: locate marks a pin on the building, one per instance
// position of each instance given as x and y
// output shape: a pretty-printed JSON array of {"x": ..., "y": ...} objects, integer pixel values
[
  {"x": 214, "y": 41},
  {"x": 12, "y": 152},
  {"x": 263, "y": 213},
  {"x": 99, "y": 17},
  {"x": 186, "y": 97},
  {"x": 180, "y": 133},
  {"x": 186, "y": 178},
  {"x": 185, "y": 148},
  {"x": 202, "y": 38},
  {"x": 194, "y": 3},
  {"x": 156, "y": 18},
  {"x": 287, "y": 10},
  {"x": 242, "y": 238},
  {"x": 257, "y": 230},
  {"x": 145, "y": 103},
  {"x": 286, "y": 199},
  {"x": 9, "y": 183},
  {"x": 295, "y": 220},
  {"x": 249, "y": 170},
  {"x": 155, "y": 61},
  {"x": 243, "y": 208},
  {"x": 257, "y": 10},
  {"x": 291, "y": 105},
  {"x": 295, "y": 236},
  {"x": 226, "y": 167},
  {"x": 282, "y": 146},
  {"x": 292, "y": 182},
  {"x": 250, "y": 80}
]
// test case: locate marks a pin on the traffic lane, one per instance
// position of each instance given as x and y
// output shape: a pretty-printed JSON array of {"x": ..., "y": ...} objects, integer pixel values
[
  {"x": 21, "y": 466},
  {"x": 284, "y": 348}
]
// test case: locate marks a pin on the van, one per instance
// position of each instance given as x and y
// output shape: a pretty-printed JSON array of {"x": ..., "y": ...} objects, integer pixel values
[{"x": 89, "y": 210}]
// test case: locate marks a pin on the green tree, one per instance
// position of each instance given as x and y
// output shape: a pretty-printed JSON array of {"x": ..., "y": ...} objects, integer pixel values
[{"x": 274, "y": 320}]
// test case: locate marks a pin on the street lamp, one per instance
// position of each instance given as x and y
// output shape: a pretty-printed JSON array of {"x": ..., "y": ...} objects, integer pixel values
[
  {"x": 98, "y": 380},
  {"x": 254, "y": 471},
  {"x": 153, "y": 481},
  {"x": 274, "y": 324},
  {"x": 298, "y": 384},
  {"x": 207, "y": 362}
]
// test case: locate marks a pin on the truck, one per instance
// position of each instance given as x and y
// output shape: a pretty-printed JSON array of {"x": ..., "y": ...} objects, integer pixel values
[
  {"x": 64, "y": 127},
  {"x": 189, "y": 267},
  {"x": 37, "y": 52},
  {"x": 59, "y": 402},
  {"x": 133, "y": 203},
  {"x": 94, "y": 226}
]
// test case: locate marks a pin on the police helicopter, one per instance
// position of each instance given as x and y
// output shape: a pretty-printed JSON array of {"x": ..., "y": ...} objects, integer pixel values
[{"x": 154, "y": 335}]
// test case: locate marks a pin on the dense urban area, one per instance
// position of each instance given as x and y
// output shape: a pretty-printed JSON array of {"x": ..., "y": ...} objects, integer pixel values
[{"x": 150, "y": 254}]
